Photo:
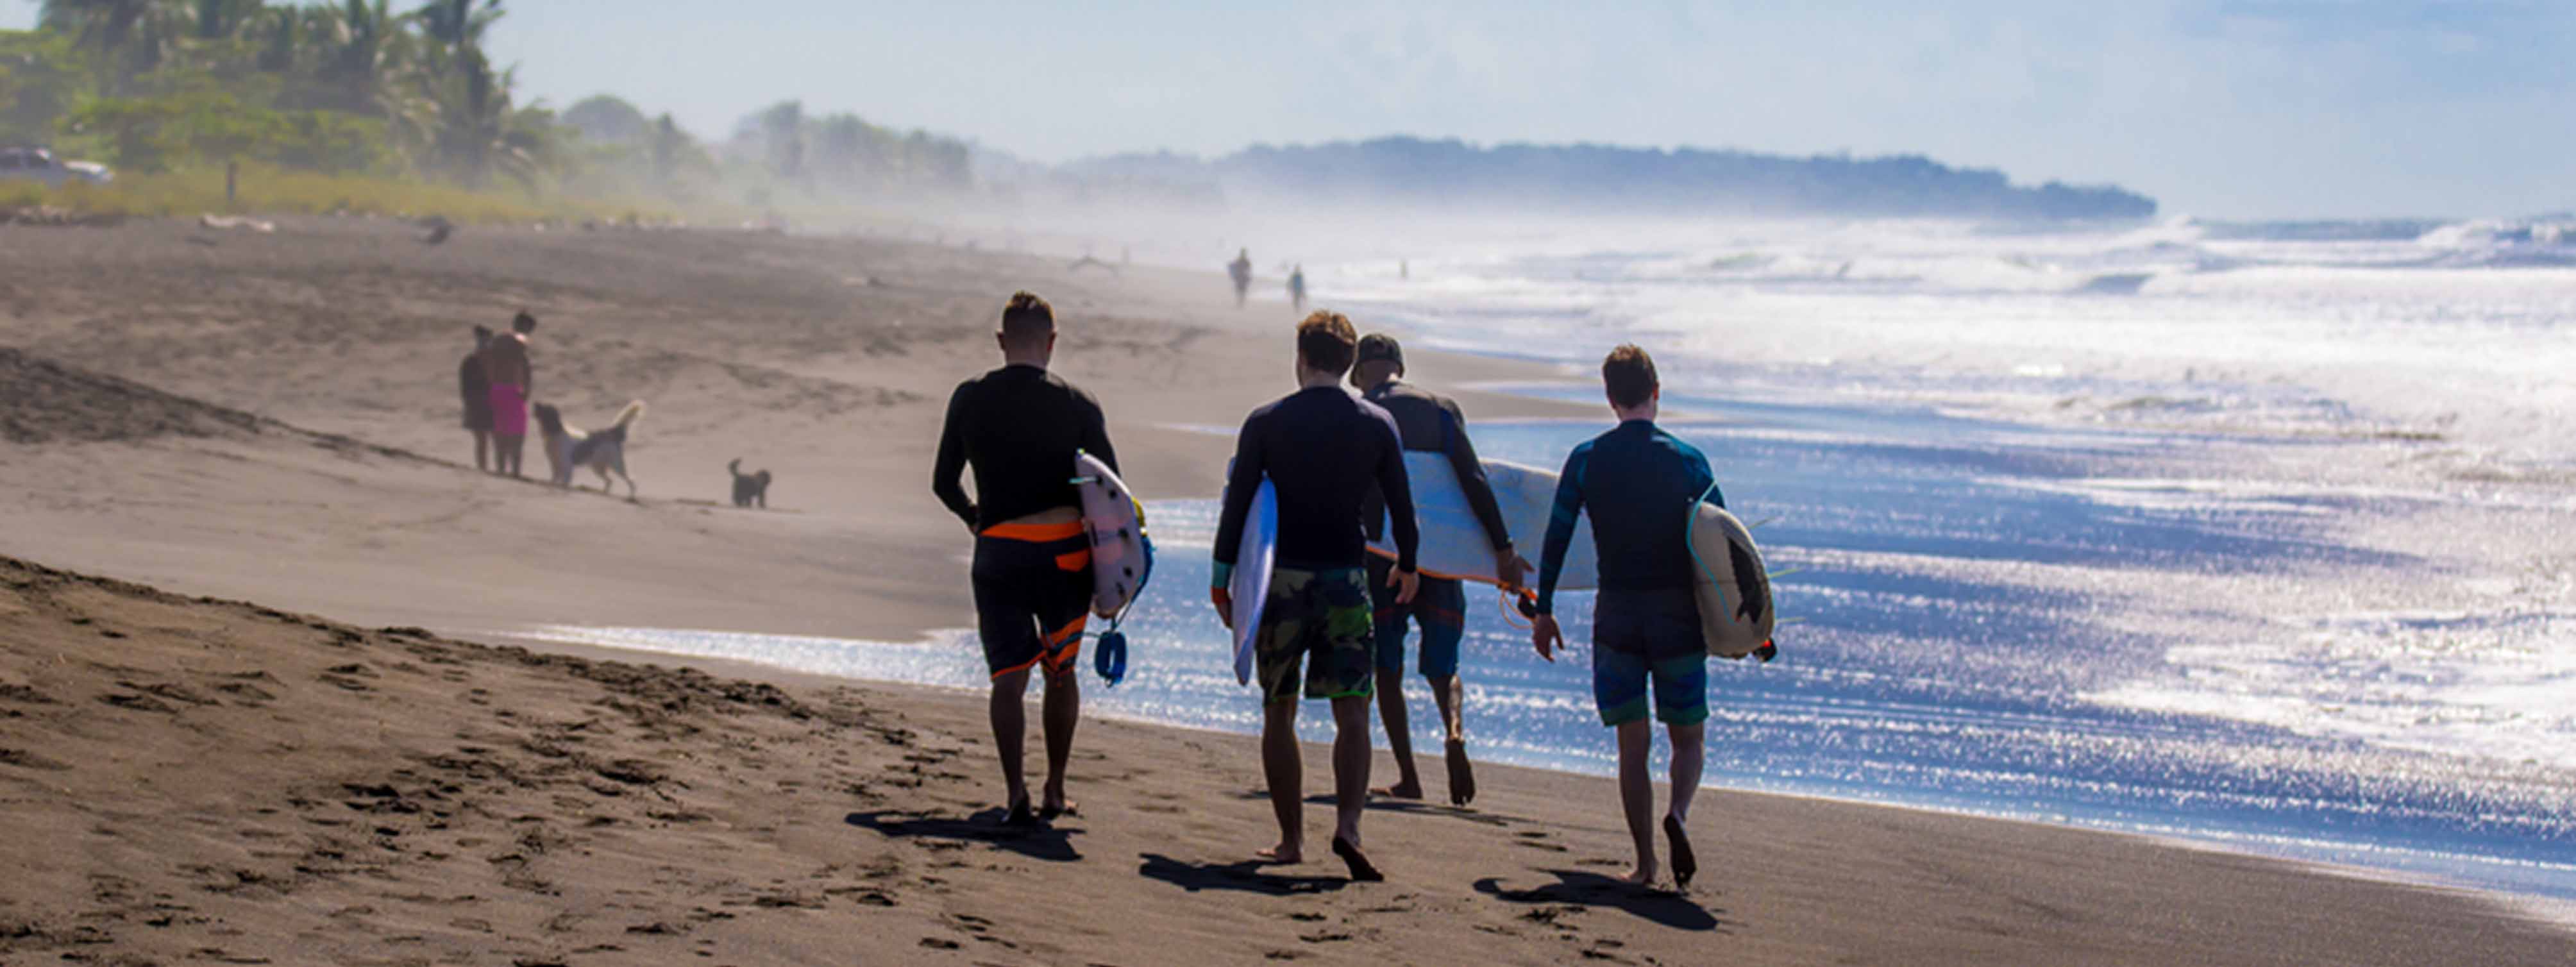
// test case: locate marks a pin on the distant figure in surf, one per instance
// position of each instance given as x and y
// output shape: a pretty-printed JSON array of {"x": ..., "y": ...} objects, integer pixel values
[
  {"x": 513, "y": 376},
  {"x": 1018, "y": 427},
  {"x": 1428, "y": 423},
  {"x": 476, "y": 392},
  {"x": 1241, "y": 270},
  {"x": 1297, "y": 288},
  {"x": 1321, "y": 449},
  {"x": 1635, "y": 481}
]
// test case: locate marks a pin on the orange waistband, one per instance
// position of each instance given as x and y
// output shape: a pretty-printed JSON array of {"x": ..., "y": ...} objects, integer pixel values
[{"x": 1035, "y": 533}]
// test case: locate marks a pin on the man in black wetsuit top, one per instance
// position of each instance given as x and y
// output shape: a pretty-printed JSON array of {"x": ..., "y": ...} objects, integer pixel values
[
  {"x": 1019, "y": 427},
  {"x": 1428, "y": 423},
  {"x": 1321, "y": 447}
]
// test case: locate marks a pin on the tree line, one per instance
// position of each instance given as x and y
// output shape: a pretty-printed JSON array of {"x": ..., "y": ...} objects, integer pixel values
[{"x": 359, "y": 86}]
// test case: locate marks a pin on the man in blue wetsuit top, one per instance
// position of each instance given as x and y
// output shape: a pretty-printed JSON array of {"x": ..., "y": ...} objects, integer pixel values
[
  {"x": 1640, "y": 484},
  {"x": 1322, "y": 449},
  {"x": 1428, "y": 423},
  {"x": 1019, "y": 427}
]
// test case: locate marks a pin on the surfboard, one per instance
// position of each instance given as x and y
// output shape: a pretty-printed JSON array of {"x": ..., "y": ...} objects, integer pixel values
[
  {"x": 1454, "y": 544},
  {"x": 1735, "y": 614},
  {"x": 1120, "y": 556},
  {"x": 1254, "y": 555}
]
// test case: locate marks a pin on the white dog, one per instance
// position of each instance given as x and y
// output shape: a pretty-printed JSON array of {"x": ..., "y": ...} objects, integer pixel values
[{"x": 603, "y": 451}]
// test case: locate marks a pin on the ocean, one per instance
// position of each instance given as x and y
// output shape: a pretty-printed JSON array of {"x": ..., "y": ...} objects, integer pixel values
[{"x": 2246, "y": 535}]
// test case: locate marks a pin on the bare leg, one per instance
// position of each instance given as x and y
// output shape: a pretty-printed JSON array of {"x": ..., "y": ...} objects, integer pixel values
[
  {"x": 1350, "y": 784},
  {"x": 483, "y": 450},
  {"x": 1637, "y": 795},
  {"x": 1399, "y": 734},
  {"x": 1063, "y": 712},
  {"x": 1690, "y": 757},
  {"x": 506, "y": 452},
  {"x": 1451, "y": 695},
  {"x": 1286, "y": 775},
  {"x": 1010, "y": 742}
]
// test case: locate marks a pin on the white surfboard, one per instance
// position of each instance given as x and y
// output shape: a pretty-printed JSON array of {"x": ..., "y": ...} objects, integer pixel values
[
  {"x": 1454, "y": 544},
  {"x": 1735, "y": 613},
  {"x": 1254, "y": 555},
  {"x": 1116, "y": 525}
]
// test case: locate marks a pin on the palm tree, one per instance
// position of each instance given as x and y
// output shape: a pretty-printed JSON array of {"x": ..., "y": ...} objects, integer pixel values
[
  {"x": 479, "y": 133},
  {"x": 457, "y": 24},
  {"x": 131, "y": 36}
]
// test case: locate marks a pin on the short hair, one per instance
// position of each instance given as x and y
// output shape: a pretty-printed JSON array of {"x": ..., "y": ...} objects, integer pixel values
[
  {"x": 1629, "y": 374},
  {"x": 524, "y": 322},
  {"x": 1027, "y": 315},
  {"x": 1325, "y": 341},
  {"x": 482, "y": 333}
]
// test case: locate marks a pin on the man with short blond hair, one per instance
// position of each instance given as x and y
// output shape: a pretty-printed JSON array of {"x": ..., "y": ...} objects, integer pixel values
[{"x": 1321, "y": 448}]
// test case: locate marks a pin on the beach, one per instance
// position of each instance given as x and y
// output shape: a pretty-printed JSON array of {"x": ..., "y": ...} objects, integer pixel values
[{"x": 336, "y": 772}]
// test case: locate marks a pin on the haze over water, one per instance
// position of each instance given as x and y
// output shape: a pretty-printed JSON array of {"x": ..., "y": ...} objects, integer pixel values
[{"x": 2241, "y": 534}]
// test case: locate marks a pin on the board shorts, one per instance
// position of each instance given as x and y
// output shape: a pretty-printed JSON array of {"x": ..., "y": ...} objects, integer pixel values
[
  {"x": 1649, "y": 642},
  {"x": 1322, "y": 621},
  {"x": 509, "y": 409},
  {"x": 478, "y": 410},
  {"x": 1440, "y": 607},
  {"x": 1032, "y": 596}
]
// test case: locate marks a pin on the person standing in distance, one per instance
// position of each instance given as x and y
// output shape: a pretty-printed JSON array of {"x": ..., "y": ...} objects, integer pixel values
[
  {"x": 475, "y": 389},
  {"x": 1019, "y": 427},
  {"x": 511, "y": 372}
]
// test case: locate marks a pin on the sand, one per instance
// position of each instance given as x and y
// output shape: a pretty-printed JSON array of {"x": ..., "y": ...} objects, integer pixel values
[{"x": 272, "y": 419}]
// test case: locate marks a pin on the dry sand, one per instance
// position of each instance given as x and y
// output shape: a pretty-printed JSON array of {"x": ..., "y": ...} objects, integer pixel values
[{"x": 189, "y": 781}]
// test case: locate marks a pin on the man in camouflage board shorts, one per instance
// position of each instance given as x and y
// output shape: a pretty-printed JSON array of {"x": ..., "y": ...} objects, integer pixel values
[
  {"x": 1321, "y": 448},
  {"x": 1324, "y": 621}
]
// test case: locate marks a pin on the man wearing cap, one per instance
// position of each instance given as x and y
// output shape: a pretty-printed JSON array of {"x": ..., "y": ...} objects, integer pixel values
[{"x": 1429, "y": 423}]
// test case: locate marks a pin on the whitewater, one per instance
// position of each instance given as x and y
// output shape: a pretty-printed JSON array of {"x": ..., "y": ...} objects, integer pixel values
[{"x": 2246, "y": 535}]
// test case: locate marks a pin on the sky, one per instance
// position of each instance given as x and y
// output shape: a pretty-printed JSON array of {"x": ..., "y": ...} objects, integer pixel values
[{"x": 2217, "y": 108}]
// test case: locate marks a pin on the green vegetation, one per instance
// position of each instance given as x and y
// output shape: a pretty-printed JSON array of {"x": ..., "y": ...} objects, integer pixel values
[{"x": 207, "y": 105}]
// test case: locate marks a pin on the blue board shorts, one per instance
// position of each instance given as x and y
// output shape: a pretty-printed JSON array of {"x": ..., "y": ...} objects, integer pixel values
[
  {"x": 1648, "y": 642},
  {"x": 1440, "y": 607}
]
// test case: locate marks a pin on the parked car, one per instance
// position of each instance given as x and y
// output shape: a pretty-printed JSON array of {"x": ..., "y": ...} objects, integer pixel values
[{"x": 38, "y": 164}]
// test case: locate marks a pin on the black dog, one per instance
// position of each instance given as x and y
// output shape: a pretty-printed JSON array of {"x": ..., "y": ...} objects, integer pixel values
[{"x": 749, "y": 488}]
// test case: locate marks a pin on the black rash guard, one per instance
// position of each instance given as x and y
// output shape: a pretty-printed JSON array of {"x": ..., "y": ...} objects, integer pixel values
[
  {"x": 1019, "y": 426},
  {"x": 1431, "y": 423},
  {"x": 1321, "y": 447}
]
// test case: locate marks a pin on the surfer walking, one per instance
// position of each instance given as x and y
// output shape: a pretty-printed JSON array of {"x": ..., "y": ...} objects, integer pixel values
[
  {"x": 1321, "y": 448},
  {"x": 1019, "y": 427},
  {"x": 1241, "y": 270},
  {"x": 1637, "y": 482},
  {"x": 1427, "y": 423}
]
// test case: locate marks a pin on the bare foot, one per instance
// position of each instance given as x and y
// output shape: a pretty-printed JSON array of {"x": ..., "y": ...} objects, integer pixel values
[
  {"x": 1642, "y": 876},
  {"x": 1462, "y": 775},
  {"x": 1401, "y": 790},
  {"x": 1360, "y": 868},
  {"x": 1284, "y": 854},
  {"x": 1061, "y": 807}
]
